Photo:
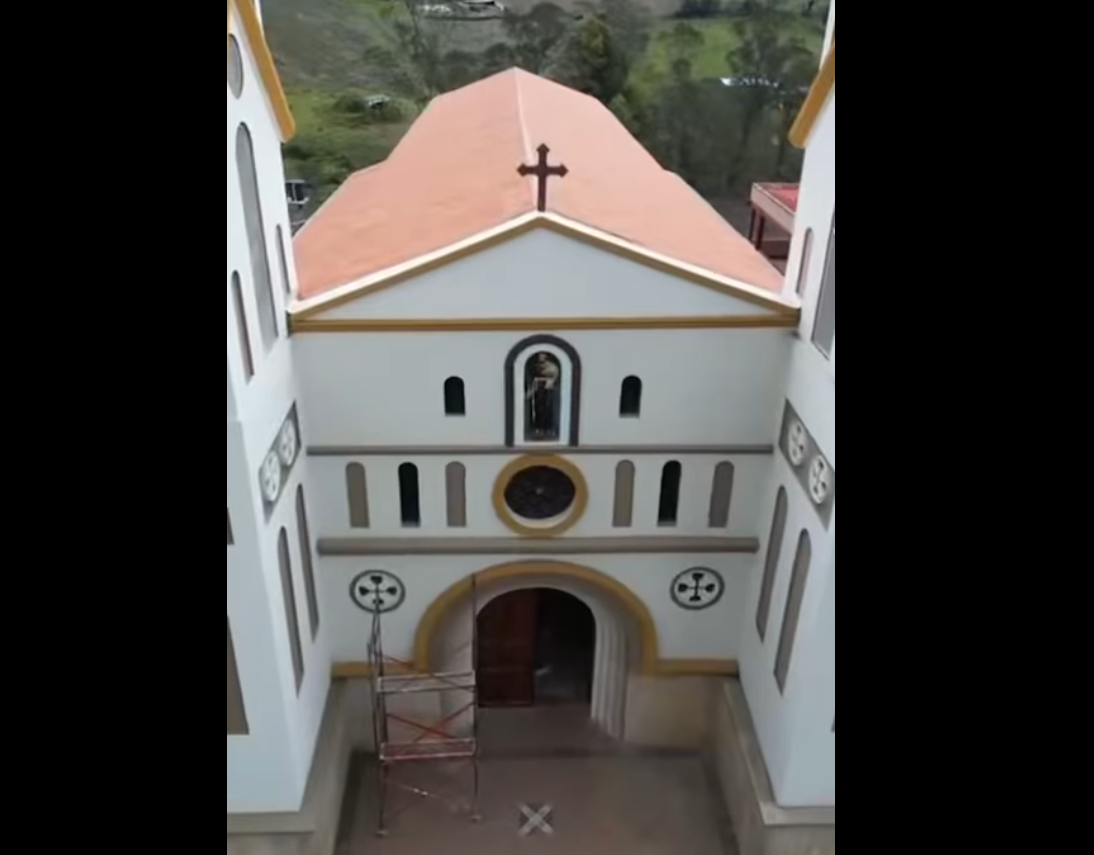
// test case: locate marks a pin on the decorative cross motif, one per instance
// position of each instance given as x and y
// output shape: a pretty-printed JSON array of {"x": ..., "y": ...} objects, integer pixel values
[
  {"x": 543, "y": 172},
  {"x": 537, "y": 818},
  {"x": 698, "y": 589},
  {"x": 378, "y": 591}
]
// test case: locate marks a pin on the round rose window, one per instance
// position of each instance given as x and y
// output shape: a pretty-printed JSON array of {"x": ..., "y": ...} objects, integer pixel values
[{"x": 540, "y": 493}]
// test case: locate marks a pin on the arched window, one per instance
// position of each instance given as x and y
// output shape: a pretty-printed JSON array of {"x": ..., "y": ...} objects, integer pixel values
[
  {"x": 456, "y": 490},
  {"x": 807, "y": 260},
  {"x": 824, "y": 332},
  {"x": 774, "y": 556},
  {"x": 669, "y": 509},
  {"x": 798, "y": 586},
  {"x": 237, "y": 712},
  {"x": 241, "y": 325},
  {"x": 357, "y": 491},
  {"x": 286, "y": 280},
  {"x": 306, "y": 562},
  {"x": 624, "y": 495},
  {"x": 410, "y": 497},
  {"x": 455, "y": 397},
  {"x": 235, "y": 67},
  {"x": 721, "y": 495},
  {"x": 288, "y": 594},
  {"x": 256, "y": 236},
  {"x": 630, "y": 401}
]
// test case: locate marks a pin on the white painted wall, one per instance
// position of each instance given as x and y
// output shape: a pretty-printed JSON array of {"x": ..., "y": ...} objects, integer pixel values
[
  {"x": 327, "y": 486},
  {"x": 795, "y": 730},
  {"x": 544, "y": 275},
  {"x": 266, "y": 770},
  {"x": 704, "y": 387},
  {"x": 711, "y": 634}
]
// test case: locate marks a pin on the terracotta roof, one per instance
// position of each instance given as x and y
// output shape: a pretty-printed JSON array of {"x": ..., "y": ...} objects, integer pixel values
[
  {"x": 454, "y": 176},
  {"x": 788, "y": 194}
]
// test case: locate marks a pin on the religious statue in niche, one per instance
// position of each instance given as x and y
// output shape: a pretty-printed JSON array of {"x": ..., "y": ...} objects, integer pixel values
[{"x": 543, "y": 398}]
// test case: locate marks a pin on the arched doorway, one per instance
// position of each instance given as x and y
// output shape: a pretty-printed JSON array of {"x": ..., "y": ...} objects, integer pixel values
[
  {"x": 625, "y": 645},
  {"x": 536, "y": 647}
]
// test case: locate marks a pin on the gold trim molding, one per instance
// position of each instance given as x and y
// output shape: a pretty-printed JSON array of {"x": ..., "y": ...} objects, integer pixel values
[
  {"x": 534, "y": 461},
  {"x": 823, "y": 86},
  {"x": 252, "y": 28},
  {"x": 306, "y": 317}
]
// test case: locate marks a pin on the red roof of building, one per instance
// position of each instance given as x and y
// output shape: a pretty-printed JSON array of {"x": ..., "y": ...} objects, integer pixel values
[{"x": 454, "y": 176}]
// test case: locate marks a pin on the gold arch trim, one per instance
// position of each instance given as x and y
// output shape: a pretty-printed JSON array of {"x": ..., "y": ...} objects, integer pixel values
[
  {"x": 532, "y": 461},
  {"x": 823, "y": 86},
  {"x": 622, "y": 595},
  {"x": 256, "y": 38}
]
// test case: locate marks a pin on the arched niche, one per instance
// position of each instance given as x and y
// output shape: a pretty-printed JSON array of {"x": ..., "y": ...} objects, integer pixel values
[{"x": 543, "y": 394}]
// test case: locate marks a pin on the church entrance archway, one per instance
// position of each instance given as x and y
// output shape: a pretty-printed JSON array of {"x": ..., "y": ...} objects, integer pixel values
[
  {"x": 624, "y": 634},
  {"x": 536, "y": 647}
]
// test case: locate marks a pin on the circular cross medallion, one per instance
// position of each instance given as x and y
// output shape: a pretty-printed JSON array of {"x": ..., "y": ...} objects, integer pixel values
[
  {"x": 270, "y": 477},
  {"x": 698, "y": 589},
  {"x": 820, "y": 481},
  {"x": 797, "y": 443},
  {"x": 288, "y": 444},
  {"x": 377, "y": 591}
]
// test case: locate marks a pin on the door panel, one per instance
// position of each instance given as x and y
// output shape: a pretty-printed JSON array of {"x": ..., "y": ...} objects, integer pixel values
[{"x": 507, "y": 650}]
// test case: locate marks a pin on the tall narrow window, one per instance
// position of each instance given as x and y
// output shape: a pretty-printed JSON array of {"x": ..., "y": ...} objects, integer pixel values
[
  {"x": 721, "y": 495},
  {"x": 288, "y": 594},
  {"x": 456, "y": 487},
  {"x": 798, "y": 586},
  {"x": 286, "y": 281},
  {"x": 256, "y": 236},
  {"x": 306, "y": 562},
  {"x": 824, "y": 333},
  {"x": 624, "y": 495},
  {"x": 357, "y": 492},
  {"x": 241, "y": 325},
  {"x": 669, "y": 510},
  {"x": 807, "y": 260},
  {"x": 771, "y": 568},
  {"x": 237, "y": 713},
  {"x": 410, "y": 497},
  {"x": 455, "y": 397},
  {"x": 630, "y": 401}
]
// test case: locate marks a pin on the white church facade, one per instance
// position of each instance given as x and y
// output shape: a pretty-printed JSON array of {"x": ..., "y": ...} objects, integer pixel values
[{"x": 467, "y": 378}]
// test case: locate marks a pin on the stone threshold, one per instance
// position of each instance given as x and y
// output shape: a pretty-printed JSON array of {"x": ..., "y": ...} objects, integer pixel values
[{"x": 399, "y": 546}]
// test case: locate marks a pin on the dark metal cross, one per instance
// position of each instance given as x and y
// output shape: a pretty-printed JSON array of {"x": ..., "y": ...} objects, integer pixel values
[
  {"x": 543, "y": 172},
  {"x": 697, "y": 588}
]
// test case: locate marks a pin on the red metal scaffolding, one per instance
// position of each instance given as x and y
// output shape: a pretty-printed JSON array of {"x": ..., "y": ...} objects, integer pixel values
[{"x": 436, "y": 740}]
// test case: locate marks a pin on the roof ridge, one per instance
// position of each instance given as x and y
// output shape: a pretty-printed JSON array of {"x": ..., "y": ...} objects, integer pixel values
[{"x": 522, "y": 119}]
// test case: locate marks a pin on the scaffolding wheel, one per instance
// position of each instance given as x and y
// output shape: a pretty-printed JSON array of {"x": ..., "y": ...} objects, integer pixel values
[{"x": 382, "y": 833}]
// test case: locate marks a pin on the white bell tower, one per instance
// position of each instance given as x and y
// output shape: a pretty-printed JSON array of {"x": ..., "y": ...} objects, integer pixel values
[{"x": 278, "y": 664}]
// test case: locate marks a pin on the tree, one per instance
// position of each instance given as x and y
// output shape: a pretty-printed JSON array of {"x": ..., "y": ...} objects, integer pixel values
[
  {"x": 775, "y": 67},
  {"x": 590, "y": 61},
  {"x": 415, "y": 54},
  {"x": 535, "y": 34}
]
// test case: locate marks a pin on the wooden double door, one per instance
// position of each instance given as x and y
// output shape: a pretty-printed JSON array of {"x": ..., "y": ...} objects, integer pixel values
[{"x": 508, "y": 639}]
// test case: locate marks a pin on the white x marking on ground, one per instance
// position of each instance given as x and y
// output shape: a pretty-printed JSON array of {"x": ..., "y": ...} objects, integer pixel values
[{"x": 536, "y": 819}]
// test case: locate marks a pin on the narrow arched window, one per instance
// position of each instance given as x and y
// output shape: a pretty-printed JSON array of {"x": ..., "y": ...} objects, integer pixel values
[
  {"x": 357, "y": 493},
  {"x": 824, "y": 331},
  {"x": 455, "y": 397},
  {"x": 669, "y": 509},
  {"x": 807, "y": 260},
  {"x": 774, "y": 556},
  {"x": 455, "y": 475},
  {"x": 256, "y": 236},
  {"x": 798, "y": 586},
  {"x": 630, "y": 401},
  {"x": 306, "y": 562},
  {"x": 288, "y": 594},
  {"x": 237, "y": 712},
  {"x": 241, "y": 326},
  {"x": 286, "y": 280},
  {"x": 624, "y": 495},
  {"x": 721, "y": 495},
  {"x": 410, "y": 497}
]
